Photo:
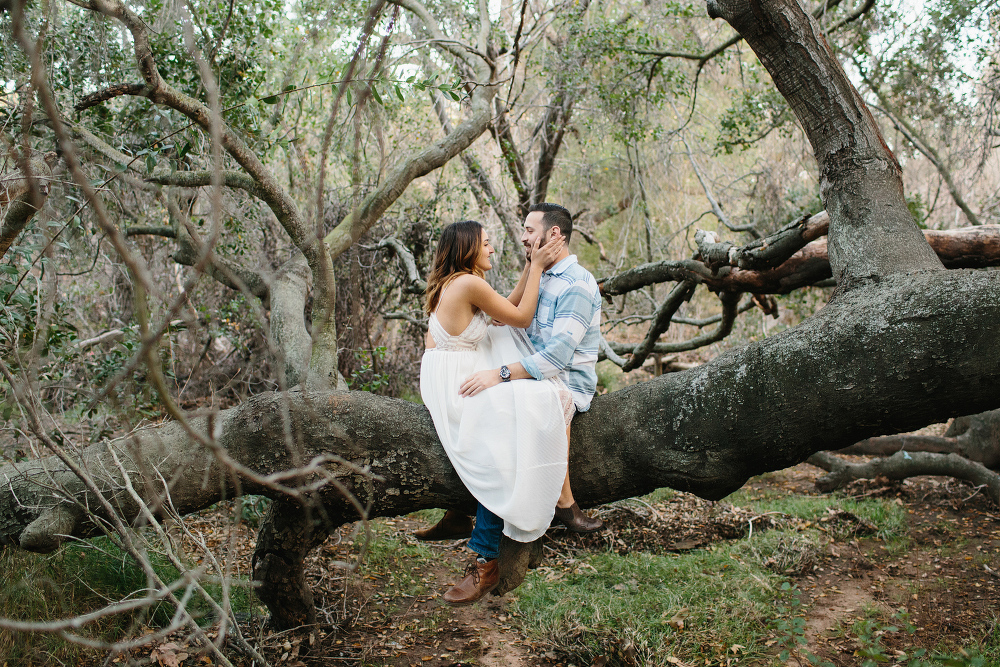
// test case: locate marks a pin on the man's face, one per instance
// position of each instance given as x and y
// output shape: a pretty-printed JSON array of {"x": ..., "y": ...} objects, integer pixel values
[{"x": 534, "y": 229}]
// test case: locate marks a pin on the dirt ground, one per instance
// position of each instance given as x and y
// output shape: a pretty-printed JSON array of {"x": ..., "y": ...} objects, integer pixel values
[{"x": 954, "y": 538}]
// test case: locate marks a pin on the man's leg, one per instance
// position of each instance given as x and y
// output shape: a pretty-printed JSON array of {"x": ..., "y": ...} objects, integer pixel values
[
  {"x": 568, "y": 512},
  {"x": 483, "y": 575},
  {"x": 454, "y": 525}
]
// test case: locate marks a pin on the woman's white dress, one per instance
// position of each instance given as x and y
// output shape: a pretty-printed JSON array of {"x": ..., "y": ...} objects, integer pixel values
[{"x": 508, "y": 443}]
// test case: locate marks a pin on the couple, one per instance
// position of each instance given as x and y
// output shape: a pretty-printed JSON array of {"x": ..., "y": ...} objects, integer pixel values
[{"x": 501, "y": 403}]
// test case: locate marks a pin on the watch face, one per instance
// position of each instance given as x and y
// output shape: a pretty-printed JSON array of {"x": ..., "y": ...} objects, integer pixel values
[{"x": 504, "y": 373}]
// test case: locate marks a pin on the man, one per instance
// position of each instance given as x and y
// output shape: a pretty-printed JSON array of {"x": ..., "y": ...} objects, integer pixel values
[{"x": 566, "y": 334}]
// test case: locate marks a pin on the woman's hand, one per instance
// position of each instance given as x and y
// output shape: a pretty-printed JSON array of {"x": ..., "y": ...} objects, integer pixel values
[
  {"x": 544, "y": 256},
  {"x": 477, "y": 382}
]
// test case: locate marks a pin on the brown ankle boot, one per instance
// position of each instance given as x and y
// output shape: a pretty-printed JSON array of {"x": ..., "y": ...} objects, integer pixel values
[
  {"x": 452, "y": 526},
  {"x": 481, "y": 577},
  {"x": 574, "y": 519}
]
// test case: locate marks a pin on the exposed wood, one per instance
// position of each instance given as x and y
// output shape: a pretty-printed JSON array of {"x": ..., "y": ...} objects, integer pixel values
[{"x": 902, "y": 465}]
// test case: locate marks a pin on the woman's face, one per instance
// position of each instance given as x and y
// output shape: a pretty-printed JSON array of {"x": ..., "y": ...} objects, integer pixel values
[{"x": 485, "y": 250}]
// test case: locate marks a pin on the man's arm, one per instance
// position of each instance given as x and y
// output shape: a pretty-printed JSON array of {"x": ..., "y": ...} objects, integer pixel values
[{"x": 574, "y": 314}]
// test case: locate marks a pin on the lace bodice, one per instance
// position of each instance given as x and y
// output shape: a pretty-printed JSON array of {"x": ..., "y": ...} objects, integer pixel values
[{"x": 467, "y": 340}]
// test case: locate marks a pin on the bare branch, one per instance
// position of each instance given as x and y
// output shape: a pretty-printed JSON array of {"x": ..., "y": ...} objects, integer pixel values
[
  {"x": 415, "y": 321},
  {"x": 970, "y": 247},
  {"x": 902, "y": 465},
  {"x": 151, "y": 230},
  {"x": 482, "y": 185},
  {"x": 716, "y": 208},
  {"x": 765, "y": 253},
  {"x": 196, "y": 179},
  {"x": 681, "y": 293},
  {"x": 371, "y": 208},
  {"x": 114, "y": 334},
  {"x": 913, "y": 136},
  {"x": 416, "y": 284},
  {"x": 730, "y": 309},
  {"x": 111, "y": 92}
]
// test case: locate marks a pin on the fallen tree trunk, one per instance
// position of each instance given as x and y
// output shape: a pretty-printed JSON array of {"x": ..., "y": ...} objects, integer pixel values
[
  {"x": 887, "y": 356},
  {"x": 970, "y": 247},
  {"x": 902, "y": 465},
  {"x": 975, "y": 437}
]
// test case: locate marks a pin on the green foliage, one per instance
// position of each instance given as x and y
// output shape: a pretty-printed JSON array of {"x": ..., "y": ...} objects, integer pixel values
[
  {"x": 252, "y": 509},
  {"x": 753, "y": 114},
  {"x": 368, "y": 377},
  {"x": 78, "y": 579}
]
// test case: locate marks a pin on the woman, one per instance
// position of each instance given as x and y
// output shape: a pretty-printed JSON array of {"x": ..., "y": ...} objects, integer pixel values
[{"x": 507, "y": 443}]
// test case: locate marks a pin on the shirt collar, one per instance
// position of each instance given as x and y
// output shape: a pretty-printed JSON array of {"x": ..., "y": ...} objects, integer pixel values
[{"x": 561, "y": 265}]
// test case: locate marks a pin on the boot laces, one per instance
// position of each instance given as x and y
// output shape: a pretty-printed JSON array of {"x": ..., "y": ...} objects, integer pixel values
[{"x": 472, "y": 570}]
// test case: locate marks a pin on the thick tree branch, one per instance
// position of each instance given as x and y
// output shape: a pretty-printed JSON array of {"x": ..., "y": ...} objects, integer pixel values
[
  {"x": 197, "y": 179},
  {"x": 871, "y": 230},
  {"x": 109, "y": 93},
  {"x": 971, "y": 247},
  {"x": 766, "y": 253},
  {"x": 24, "y": 196}
]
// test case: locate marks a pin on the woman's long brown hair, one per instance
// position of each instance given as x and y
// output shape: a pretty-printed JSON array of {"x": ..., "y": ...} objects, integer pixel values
[{"x": 457, "y": 253}]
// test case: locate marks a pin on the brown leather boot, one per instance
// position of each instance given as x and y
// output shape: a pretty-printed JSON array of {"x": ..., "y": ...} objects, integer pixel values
[
  {"x": 480, "y": 578},
  {"x": 574, "y": 519},
  {"x": 452, "y": 526}
]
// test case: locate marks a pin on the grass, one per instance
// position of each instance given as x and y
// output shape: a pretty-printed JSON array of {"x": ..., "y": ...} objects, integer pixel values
[
  {"x": 719, "y": 605},
  {"x": 707, "y": 604},
  {"x": 396, "y": 562},
  {"x": 78, "y": 579}
]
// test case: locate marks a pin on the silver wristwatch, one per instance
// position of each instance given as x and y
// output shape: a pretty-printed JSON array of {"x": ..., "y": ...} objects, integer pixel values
[{"x": 504, "y": 374}]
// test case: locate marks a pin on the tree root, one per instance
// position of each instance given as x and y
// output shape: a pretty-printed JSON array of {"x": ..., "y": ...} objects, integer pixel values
[
  {"x": 516, "y": 558},
  {"x": 903, "y": 465}
]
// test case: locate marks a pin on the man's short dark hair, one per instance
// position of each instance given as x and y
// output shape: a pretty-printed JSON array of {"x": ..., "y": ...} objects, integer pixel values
[{"x": 554, "y": 215}]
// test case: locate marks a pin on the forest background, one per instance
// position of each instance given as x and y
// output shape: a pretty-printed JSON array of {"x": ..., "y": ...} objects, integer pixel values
[{"x": 170, "y": 265}]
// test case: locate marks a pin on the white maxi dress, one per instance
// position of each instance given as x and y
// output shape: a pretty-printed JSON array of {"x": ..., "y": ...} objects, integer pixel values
[{"x": 507, "y": 443}]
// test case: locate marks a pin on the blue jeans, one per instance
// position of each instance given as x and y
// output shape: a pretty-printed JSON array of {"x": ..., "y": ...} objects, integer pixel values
[{"x": 485, "y": 539}]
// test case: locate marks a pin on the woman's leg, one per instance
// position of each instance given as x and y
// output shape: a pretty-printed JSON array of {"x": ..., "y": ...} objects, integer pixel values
[
  {"x": 566, "y": 499},
  {"x": 568, "y": 512}
]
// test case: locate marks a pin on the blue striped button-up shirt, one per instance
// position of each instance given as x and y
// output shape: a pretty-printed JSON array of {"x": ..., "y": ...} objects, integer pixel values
[{"x": 566, "y": 330}]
